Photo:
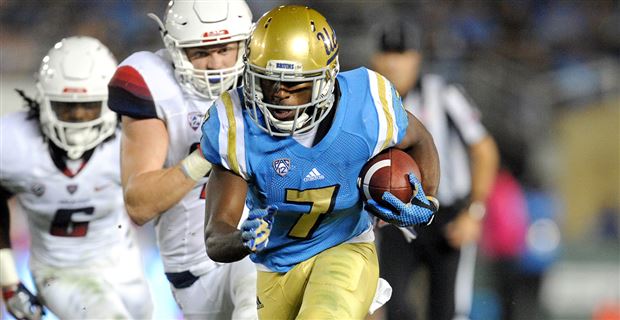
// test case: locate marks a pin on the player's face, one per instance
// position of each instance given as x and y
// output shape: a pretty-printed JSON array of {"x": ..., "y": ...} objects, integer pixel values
[
  {"x": 401, "y": 68},
  {"x": 286, "y": 94},
  {"x": 215, "y": 57},
  {"x": 77, "y": 111}
]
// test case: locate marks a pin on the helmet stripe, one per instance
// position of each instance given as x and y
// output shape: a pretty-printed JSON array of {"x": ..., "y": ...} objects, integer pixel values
[{"x": 334, "y": 56}]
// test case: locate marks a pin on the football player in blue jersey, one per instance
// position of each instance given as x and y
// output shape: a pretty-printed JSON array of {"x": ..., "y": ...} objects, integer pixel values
[{"x": 293, "y": 140}]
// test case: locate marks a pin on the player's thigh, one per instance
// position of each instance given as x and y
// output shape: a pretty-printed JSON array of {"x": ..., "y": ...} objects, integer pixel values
[
  {"x": 128, "y": 280},
  {"x": 241, "y": 278},
  {"x": 210, "y": 296},
  {"x": 279, "y": 295},
  {"x": 74, "y": 295},
  {"x": 342, "y": 283}
]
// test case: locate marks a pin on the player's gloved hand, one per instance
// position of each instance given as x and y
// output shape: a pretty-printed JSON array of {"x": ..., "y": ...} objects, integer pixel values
[
  {"x": 256, "y": 228},
  {"x": 421, "y": 209},
  {"x": 21, "y": 303}
]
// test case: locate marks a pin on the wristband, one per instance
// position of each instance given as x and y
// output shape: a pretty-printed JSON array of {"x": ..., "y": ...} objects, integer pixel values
[
  {"x": 195, "y": 166},
  {"x": 434, "y": 201},
  {"x": 8, "y": 273},
  {"x": 477, "y": 210}
]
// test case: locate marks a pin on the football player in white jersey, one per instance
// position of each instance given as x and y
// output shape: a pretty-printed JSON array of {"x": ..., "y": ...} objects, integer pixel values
[
  {"x": 163, "y": 97},
  {"x": 61, "y": 162}
]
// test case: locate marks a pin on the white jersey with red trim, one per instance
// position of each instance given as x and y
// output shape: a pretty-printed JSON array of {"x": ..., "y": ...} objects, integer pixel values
[
  {"x": 144, "y": 86},
  {"x": 76, "y": 215}
]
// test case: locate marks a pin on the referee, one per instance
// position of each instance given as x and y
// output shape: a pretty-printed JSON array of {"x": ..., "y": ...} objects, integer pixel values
[{"x": 469, "y": 162}]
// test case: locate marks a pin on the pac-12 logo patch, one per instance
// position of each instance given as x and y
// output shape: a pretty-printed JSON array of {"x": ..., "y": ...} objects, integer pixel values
[
  {"x": 282, "y": 166},
  {"x": 72, "y": 188},
  {"x": 194, "y": 119}
]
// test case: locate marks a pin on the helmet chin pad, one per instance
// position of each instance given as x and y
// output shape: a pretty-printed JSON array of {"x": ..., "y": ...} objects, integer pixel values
[{"x": 81, "y": 136}]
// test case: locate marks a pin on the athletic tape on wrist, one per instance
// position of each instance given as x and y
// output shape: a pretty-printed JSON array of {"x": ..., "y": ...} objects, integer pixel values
[
  {"x": 195, "y": 166},
  {"x": 8, "y": 273}
]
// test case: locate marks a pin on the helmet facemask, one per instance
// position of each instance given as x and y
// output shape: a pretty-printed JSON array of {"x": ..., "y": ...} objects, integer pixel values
[
  {"x": 77, "y": 137},
  {"x": 308, "y": 115},
  {"x": 209, "y": 84}
]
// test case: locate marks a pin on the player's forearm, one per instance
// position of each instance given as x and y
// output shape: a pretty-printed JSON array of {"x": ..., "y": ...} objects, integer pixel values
[
  {"x": 425, "y": 154},
  {"x": 224, "y": 245},
  {"x": 419, "y": 144},
  {"x": 149, "y": 194},
  {"x": 484, "y": 165}
]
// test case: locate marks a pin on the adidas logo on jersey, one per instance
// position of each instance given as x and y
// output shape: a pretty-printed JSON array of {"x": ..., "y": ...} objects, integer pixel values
[{"x": 314, "y": 175}]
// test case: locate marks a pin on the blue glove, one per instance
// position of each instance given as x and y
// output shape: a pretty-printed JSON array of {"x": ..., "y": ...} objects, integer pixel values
[
  {"x": 256, "y": 228},
  {"x": 21, "y": 303},
  {"x": 421, "y": 210}
]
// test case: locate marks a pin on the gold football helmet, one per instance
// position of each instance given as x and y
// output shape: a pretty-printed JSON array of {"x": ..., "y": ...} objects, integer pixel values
[{"x": 291, "y": 44}]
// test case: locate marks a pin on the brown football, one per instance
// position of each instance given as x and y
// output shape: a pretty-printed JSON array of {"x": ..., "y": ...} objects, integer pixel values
[{"x": 388, "y": 171}]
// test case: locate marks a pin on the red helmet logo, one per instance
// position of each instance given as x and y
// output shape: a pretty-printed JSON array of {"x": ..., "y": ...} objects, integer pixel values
[
  {"x": 217, "y": 34},
  {"x": 73, "y": 90}
]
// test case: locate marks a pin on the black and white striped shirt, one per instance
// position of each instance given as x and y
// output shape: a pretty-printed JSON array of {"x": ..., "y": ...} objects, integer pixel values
[{"x": 454, "y": 122}]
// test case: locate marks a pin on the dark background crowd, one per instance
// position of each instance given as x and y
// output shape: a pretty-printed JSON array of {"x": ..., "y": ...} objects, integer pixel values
[{"x": 545, "y": 74}]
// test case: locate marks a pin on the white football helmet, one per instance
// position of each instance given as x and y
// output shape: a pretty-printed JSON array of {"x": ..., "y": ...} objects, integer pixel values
[
  {"x": 76, "y": 69},
  {"x": 196, "y": 23}
]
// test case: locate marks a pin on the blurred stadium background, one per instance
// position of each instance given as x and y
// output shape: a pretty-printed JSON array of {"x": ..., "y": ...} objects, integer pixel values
[{"x": 545, "y": 74}]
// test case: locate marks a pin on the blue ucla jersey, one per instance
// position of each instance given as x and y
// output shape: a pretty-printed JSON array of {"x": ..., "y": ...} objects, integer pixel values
[{"x": 315, "y": 189}]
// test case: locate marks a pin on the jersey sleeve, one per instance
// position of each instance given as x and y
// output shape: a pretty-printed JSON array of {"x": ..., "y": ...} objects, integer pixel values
[
  {"x": 209, "y": 143},
  {"x": 223, "y": 135},
  {"x": 391, "y": 114},
  {"x": 17, "y": 134},
  {"x": 129, "y": 95},
  {"x": 400, "y": 113},
  {"x": 465, "y": 116}
]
